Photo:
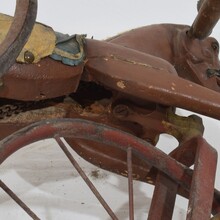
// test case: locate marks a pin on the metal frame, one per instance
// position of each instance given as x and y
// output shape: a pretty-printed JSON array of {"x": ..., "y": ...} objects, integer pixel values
[
  {"x": 172, "y": 177},
  {"x": 170, "y": 174}
]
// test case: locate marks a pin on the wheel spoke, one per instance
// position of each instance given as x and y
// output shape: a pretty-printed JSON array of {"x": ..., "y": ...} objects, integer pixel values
[
  {"x": 130, "y": 184},
  {"x": 18, "y": 201},
  {"x": 85, "y": 178}
]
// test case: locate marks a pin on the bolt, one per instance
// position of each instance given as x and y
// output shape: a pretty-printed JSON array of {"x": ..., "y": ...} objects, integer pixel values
[{"x": 121, "y": 111}]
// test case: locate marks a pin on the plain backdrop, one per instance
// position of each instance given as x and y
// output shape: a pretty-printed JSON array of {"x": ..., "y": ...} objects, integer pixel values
[{"x": 40, "y": 174}]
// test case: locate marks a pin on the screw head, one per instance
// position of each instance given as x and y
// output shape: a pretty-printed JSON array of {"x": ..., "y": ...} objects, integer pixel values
[{"x": 121, "y": 111}]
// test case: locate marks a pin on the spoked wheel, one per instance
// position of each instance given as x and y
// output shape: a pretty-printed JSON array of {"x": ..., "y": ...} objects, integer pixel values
[
  {"x": 69, "y": 128},
  {"x": 173, "y": 177}
]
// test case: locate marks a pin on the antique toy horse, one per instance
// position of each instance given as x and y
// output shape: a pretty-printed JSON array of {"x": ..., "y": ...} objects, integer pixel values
[{"x": 132, "y": 82}]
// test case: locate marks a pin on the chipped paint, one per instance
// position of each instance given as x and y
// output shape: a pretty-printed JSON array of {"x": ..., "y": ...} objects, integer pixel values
[
  {"x": 136, "y": 63},
  {"x": 121, "y": 84}
]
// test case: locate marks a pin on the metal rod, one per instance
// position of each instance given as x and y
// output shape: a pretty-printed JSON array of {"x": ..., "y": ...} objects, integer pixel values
[
  {"x": 130, "y": 183},
  {"x": 202, "y": 186},
  {"x": 85, "y": 178},
  {"x": 164, "y": 197},
  {"x": 21, "y": 27},
  {"x": 18, "y": 201}
]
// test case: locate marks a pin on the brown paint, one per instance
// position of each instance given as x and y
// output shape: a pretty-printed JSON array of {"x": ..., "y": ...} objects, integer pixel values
[{"x": 147, "y": 81}]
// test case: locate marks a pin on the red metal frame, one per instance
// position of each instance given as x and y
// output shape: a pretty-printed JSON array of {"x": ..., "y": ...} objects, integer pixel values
[{"x": 172, "y": 176}]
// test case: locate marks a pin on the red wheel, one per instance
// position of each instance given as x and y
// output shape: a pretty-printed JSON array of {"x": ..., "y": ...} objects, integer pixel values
[{"x": 172, "y": 173}]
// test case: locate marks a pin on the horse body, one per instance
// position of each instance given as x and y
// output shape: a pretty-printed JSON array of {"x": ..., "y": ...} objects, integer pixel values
[{"x": 190, "y": 57}]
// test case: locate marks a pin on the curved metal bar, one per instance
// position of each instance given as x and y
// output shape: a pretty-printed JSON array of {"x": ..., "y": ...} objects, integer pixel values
[
  {"x": 207, "y": 18},
  {"x": 83, "y": 129},
  {"x": 88, "y": 130},
  {"x": 21, "y": 27}
]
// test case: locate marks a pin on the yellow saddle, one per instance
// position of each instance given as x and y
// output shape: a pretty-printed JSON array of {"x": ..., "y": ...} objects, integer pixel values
[{"x": 40, "y": 44}]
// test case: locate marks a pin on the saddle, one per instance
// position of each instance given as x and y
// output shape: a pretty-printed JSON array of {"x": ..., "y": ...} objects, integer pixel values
[{"x": 60, "y": 60}]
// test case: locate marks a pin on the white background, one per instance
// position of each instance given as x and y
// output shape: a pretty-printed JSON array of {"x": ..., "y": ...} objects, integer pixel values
[{"x": 40, "y": 174}]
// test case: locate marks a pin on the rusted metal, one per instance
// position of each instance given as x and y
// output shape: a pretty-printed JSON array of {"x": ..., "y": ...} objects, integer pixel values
[
  {"x": 198, "y": 151},
  {"x": 208, "y": 16},
  {"x": 79, "y": 129},
  {"x": 18, "y": 34},
  {"x": 163, "y": 198},
  {"x": 186, "y": 154},
  {"x": 202, "y": 186},
  {"x": 179, "y": 174},
  {"x": 85, "y": 178},
  {"x": 18, "y": 201}
]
